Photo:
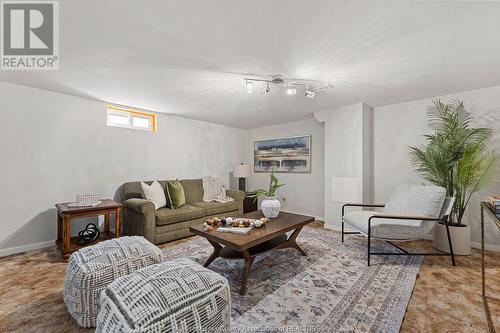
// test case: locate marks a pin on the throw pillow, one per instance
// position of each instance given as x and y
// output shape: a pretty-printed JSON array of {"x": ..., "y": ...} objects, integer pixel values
[
  {"x": 154, "y": 193},
  {"x": 175, "y": 193}
]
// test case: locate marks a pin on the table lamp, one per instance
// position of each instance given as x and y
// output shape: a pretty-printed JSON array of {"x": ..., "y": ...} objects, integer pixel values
[{"x": 241, "y": 171}]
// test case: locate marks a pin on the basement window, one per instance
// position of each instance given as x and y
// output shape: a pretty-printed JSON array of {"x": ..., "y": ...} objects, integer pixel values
[{"x": 126, "y": 118}]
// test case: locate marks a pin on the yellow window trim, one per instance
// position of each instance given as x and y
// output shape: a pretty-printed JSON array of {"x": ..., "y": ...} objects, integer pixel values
[{"x": 149, "y": 115}]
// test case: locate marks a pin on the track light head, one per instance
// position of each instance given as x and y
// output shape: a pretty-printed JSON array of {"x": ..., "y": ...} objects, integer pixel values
[
  {"x": 310, "y": 94},
  {"x": 265, "y": 90},
  {"x": 249, "y": 87},
  {"x": 291, "y": 91}
]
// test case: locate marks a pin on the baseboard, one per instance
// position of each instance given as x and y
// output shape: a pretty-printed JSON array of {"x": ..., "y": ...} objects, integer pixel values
[
  {"x": 337, "y": 228},
  {"x": 24, "y": 248},
  {"x": 332, "y": 227},
  {"x": 317, "y": 218},
  {"x": 489, "y": 247}
]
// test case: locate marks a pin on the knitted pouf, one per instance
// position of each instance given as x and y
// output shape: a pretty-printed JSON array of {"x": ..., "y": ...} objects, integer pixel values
[
  {"x": 92, "y": 268},
  {"x": 177, "y": 296}
]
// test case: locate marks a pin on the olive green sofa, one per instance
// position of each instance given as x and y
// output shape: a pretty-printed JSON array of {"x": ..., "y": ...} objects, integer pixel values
[{"x": 166, "y": 224}]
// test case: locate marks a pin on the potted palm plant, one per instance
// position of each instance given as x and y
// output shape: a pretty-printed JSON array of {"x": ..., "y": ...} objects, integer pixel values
[
  {"x": 457, "y": 157},
  {"x": 270, "y": 206}
]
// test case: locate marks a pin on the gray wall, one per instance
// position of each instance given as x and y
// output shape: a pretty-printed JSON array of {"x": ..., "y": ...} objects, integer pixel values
[
  {"x": 54, "y": 145},
  {"x": 303, "y": 193},
  {"x": 398, "y": 126}
]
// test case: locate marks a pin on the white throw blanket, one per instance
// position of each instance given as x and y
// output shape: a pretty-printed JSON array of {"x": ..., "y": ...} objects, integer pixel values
[{"x": 213, "y": 190}]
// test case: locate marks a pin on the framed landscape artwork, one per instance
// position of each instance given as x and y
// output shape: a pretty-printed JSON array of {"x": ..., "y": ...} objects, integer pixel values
[{"x": 292, "y": 154}]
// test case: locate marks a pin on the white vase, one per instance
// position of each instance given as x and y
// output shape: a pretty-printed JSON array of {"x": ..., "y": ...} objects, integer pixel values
[
  {"x": 460, "y": 239},
  {"x": 270, "y": 207}
]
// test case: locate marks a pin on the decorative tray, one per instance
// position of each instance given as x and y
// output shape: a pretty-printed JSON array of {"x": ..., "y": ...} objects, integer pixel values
[{"x": 237, "y": 225}]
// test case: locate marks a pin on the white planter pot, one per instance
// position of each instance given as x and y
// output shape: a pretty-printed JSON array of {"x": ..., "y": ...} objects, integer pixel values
[
  {"x": 460, "y": 239},
  {"x": 270, "y": 207}
]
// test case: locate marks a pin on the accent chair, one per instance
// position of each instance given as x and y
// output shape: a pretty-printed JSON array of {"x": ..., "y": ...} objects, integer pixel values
[{"x": 411, "y": 212}]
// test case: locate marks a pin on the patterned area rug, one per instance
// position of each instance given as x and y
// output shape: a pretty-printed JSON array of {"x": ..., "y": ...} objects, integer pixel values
[{"x": 330, "y": 290}]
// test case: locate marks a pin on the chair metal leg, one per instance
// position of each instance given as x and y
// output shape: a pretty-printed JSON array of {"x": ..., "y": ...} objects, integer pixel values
[
  {"x": 369, "y": 238},
  {"x": 403, "y": 251},
  {"x": 449, "y": 242},
  {"x": 342, "y": 230}
]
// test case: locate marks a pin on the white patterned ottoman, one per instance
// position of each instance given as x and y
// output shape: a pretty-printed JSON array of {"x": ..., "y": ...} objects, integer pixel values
[
  {"x": 176, "y": 296},
  {"x": 92, "y": 268}
]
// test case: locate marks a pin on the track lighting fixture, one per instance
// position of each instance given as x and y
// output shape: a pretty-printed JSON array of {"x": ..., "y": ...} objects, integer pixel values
[{"x": 291, "y": 84}]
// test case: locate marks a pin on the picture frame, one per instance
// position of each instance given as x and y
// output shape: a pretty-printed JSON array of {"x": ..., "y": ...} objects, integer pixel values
[{"x": 284, "y": 155}]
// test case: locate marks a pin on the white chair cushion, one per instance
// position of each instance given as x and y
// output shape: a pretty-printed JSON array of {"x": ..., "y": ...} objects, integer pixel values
[
  {"x": 416, "y": 200},
  {"x": 386, "y": 228},
  {"x": 413, "y": 200}
]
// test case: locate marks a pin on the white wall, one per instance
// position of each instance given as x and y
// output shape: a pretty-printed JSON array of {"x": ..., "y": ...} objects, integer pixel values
[
  {"x": 54, "y": 145},
  {"x": 398, "y": 126},
  {"x": 303, "y": 193},
  {"x": 347, "y": 155}
]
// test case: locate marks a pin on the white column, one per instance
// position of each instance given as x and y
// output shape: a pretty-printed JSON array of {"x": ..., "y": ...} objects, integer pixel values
[{"x": 348, "y": 158}]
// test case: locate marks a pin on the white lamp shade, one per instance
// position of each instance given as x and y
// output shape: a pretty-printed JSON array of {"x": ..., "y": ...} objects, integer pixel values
[{"x": 241, "y": 171}]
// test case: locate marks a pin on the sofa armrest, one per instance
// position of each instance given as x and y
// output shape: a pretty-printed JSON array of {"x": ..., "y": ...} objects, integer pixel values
[
  {"x": 238, "y": 196},
  {"x": 139, "y": 218},
  {"x": 141, "y": 206}
]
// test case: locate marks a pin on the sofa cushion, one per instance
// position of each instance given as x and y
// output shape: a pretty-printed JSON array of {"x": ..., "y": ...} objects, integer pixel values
[
  {"x": 155, "y": 194},
  {"x": 176, "y": 195},
  {"x": 133, "y": 189},
  {"x": 193, "y": 189},
  {"x": 166, "y": 216},
  {"x": 213, "y": 208}
]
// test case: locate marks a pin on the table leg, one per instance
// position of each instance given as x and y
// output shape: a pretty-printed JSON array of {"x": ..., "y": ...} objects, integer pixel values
[
  {"x": 291, "y": 242},
  {"x": 491, "y": 327},
  {"x": 106, "y": 223},
  {"x": 214, "y": 254},
  {"x": 246, "y": 271},
  {"x": 118, "y": 222},
  {"x": 66, "y": 234},
  {"x": 59, "y": 229}
]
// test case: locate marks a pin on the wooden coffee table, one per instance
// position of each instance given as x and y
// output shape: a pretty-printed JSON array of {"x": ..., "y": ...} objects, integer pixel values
[{"x": 257, "y": 241}]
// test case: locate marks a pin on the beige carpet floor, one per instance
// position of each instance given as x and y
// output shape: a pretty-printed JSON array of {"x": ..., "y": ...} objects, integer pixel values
[{"x": 445, "y": 298}]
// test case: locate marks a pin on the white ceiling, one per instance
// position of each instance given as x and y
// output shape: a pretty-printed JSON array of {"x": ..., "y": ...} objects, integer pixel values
[{"x": 182, "y": 57}]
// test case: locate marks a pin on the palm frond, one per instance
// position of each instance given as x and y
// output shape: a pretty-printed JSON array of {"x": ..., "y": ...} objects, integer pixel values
[{"x": 456, "y": 156}]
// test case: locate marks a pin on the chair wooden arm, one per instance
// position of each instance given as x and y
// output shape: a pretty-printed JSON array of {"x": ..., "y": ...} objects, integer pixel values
[
  {"x": 404, "y": 217},
  {"x": 360, "y": 205}
]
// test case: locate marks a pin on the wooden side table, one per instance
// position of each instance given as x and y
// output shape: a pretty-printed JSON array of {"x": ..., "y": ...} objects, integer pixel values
[
  {"x": 488, "y": 208},
  {"x": 249, "y": 205},
  {"x": 66, "y": 214}
]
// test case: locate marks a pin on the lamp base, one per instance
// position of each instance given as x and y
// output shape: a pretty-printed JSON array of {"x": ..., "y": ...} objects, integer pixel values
[{"x": 242, "y": 184}]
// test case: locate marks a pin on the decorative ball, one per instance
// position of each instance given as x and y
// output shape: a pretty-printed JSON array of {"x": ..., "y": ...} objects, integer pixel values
[
  {"x": 257, "y": 223},
  {"x": 229, "y": 220},
  {"x": 89, "y": 234}
]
